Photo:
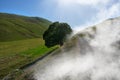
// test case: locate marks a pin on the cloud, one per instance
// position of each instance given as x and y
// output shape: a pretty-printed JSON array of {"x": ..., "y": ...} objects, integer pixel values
[
  {"x": 80, "y": 13},
  {"x": 82, "y": 2},
  {"x": 110, "y": 12},
  {"x": 102, "y": 14}
]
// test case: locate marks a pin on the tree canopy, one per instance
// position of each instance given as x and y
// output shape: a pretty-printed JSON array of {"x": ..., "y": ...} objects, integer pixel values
[{"x": 56, "y": 34}]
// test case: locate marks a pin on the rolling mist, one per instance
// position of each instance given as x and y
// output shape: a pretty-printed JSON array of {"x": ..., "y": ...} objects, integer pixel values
[{"x": 91, "y": 54}]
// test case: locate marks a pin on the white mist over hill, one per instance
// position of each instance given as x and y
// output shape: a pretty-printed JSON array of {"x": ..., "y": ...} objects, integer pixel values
[{"x": 92, "y": 54}]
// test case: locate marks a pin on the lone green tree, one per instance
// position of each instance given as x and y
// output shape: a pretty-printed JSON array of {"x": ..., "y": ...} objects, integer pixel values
[{"x": 56, "y": 34}]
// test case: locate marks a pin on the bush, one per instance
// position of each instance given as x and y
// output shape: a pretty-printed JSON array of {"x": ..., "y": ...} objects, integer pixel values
[{"x": 56, "y": 34}]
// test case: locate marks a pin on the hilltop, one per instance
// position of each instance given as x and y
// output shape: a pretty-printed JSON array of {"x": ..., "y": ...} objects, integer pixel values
[{"x": 16, "y": 27}]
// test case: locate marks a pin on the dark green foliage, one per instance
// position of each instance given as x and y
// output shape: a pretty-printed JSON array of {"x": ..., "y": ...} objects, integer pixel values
[
  {"x": 56, "y": 34},
  {"x": 16, "y": 27}
]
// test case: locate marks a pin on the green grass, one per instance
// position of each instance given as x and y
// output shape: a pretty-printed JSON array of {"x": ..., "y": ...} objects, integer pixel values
[
  {"x": 15, "y": 54},
  {"x": 16, "y": 27},
  {"x": 20, "y": 41}
]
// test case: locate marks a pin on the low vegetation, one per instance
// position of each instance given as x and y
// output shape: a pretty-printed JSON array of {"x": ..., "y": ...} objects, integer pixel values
[
  {"x": 94, "y": 28},
  {"x": 82, "y": 35},
  {"x": 15, "y": 54},
  {"x": 21, "y": 43}
]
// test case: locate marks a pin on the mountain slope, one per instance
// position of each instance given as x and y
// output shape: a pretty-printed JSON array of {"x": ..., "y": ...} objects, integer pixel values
[
  {"x": 92, "y": 54},
  {"x": 16, "y": 27}
]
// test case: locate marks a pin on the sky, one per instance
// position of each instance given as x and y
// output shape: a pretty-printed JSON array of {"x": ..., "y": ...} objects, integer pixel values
[{"x": 77, "y": 13}]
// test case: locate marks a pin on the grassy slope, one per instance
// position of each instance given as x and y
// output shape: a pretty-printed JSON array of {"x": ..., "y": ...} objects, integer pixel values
[
  {"x": 19, "y": 53},
  {"x": 20, "y": 41},
  {"x": 15, "y": 27}
]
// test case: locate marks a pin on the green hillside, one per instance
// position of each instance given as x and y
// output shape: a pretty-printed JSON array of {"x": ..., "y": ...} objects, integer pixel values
[
  {"x": 21, "y": 42},
  {"x": 16, "y": 27}
]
